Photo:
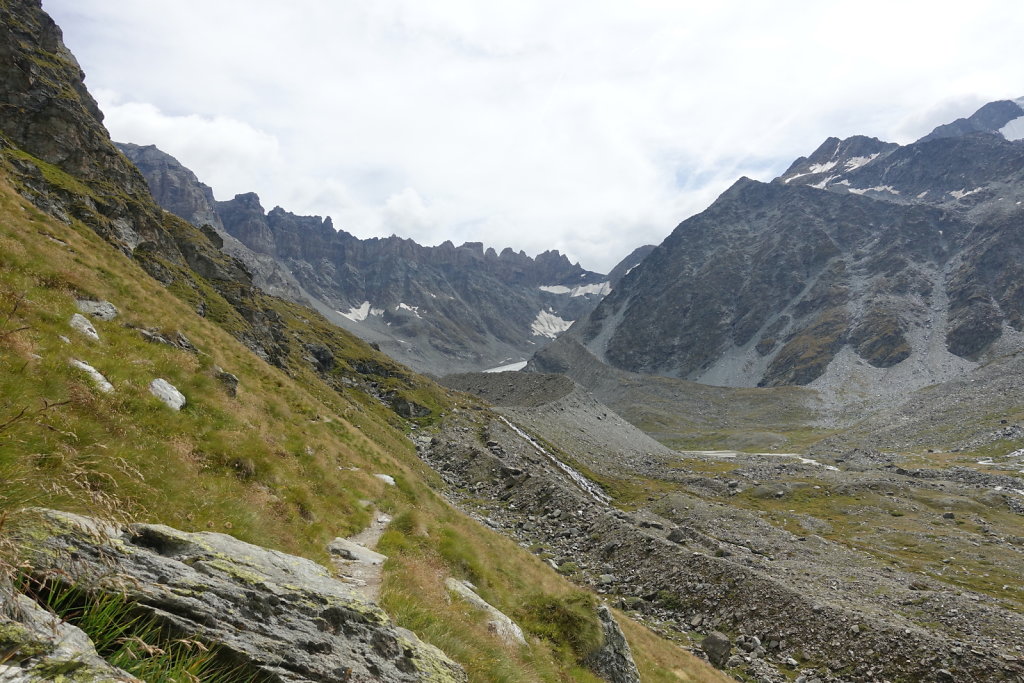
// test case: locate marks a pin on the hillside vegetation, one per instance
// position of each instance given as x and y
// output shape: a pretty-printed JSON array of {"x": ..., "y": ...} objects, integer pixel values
[{"x": 287, "y": 463}]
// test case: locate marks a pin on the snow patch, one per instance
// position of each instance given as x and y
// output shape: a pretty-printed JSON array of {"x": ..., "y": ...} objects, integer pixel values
[
  {"x": 922, "y": 195},
  {"x": 601, "y": 289},
  {"x": 856, "y": 162},
  {"x": 361, "y": 312},
  {"x": 823, "y": 183},
  {"x": 1013, "y": 130},
  {"x": 511, "y": 367},
  {"x": 415, "y": 310},
  {"x": 547, "y": 324},
  {"x": 821, "y": 168},
  {"x": 960, "y": 194},
  {"x": 878, "y": 188}
]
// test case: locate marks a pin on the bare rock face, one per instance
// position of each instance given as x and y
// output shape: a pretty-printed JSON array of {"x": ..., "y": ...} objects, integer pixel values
[
  {"x": 613, "y": 661},
  {"x": 283, "y": 617},
  {"x": 437, "y": 309},
  {"x": 865, "y": 251}
]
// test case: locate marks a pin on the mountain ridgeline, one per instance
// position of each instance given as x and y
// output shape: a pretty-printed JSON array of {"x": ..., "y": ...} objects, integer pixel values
[
  {"x": 867, "y": 262},
  {"x": 437, "y": 309}
]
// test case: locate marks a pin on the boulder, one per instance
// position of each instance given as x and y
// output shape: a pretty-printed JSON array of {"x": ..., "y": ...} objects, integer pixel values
[
  {"x": 166, "y": 392},
  {"x": 95, "y": 375},
  {"x": 227, "y": 380},
  {"x": 613, "y": 661},
  {"x": 281, "y": 617},
  {"x": 499, "y": 624},
  {"x": 81, "y": 324},
  {"x": 104, "y": 310},
  {"x": 717, "y": 647}
]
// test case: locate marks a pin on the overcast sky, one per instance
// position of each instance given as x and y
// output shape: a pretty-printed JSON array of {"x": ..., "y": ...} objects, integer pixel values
[{"x": 584, "y": 126}]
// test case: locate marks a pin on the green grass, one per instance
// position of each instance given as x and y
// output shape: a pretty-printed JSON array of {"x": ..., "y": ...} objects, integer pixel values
[
  {"x": 132, "y": 641},
  {"x": 284, "y": 464}
]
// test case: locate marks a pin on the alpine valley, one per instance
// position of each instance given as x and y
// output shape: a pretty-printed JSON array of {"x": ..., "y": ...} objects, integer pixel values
[{"x": 786, "y": 444}]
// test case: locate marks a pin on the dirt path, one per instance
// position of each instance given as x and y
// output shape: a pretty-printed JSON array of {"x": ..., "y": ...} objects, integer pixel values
[{"x": 361, "y": 565}]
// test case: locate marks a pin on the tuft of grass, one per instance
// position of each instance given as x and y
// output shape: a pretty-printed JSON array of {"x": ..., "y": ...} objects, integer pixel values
[
  {"x": 566, "y": 620},
  {"x": 136, "y": 642}
]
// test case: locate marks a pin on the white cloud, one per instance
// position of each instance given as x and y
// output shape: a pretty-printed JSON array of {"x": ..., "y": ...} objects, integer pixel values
[{"x": 591, "y": 127}]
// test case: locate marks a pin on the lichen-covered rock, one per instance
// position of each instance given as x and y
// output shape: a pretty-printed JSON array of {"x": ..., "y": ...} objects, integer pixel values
[
  {"x": 500, "y": 624},
  {"x": 37, "y": 646},
  {"x": 166, "y": 392},
  {"x": 613, "y": 661},
  {"x": 283, "y": 617}
]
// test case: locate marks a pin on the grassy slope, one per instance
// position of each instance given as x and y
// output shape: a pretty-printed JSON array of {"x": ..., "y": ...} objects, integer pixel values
[{"x": 284, "y": 464}]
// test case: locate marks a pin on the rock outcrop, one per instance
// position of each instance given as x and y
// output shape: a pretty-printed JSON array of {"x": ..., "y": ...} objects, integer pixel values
[
  {"x": 281, "y": 617},
  {"x": 613, "y": 661}
]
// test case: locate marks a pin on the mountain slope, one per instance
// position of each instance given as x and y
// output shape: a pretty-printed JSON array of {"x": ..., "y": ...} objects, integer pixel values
[
  {"x": 867, "y": 268},
  {"x": 438, "y": 309},
  {"x": 287, "y": 419}
]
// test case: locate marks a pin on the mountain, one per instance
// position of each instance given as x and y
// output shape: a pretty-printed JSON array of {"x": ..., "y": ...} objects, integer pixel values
[
  {"x": 145, "y": 377},
  {"x": 866, "y": 269},
  {"x": 437, "y": 309}
]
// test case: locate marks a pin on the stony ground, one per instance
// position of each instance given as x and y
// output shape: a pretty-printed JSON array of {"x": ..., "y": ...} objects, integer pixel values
[{"x": 852, "y": 565}]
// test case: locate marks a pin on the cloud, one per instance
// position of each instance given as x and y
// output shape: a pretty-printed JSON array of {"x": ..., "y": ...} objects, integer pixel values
[
  {"x": 588, "y": 127},
  {"x": 228, "y": 154}
]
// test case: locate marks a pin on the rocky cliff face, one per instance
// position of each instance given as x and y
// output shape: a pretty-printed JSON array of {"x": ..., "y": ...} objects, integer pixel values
[
  {"x": 865, "y": 261},
  {"x": 437, "y": 309}
]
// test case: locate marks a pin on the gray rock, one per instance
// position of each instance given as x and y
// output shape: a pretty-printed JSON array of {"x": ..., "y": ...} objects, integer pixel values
[
  {"x": 81, "y": 324},
  {"x": 499, "y": 624},
  {"x": 104, "y": 310},
  {"x": 282, "y": 617},
  {"x": 95, "y": 375},
  {"x": 613, "y": 661},
  {"x": 717, "y": 647},
  {"x": 227, "y": 380},
  {"x": 36, "y": 643},
  {"x": 350, "y": 550},
  {"x": 166, "y": 392}
]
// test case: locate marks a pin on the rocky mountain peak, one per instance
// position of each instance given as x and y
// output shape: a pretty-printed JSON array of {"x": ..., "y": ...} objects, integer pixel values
[
  {"x": 863, "y": 256},
  {"x": 443, "y": 308},
  {"x": 994, "y": 117}
]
